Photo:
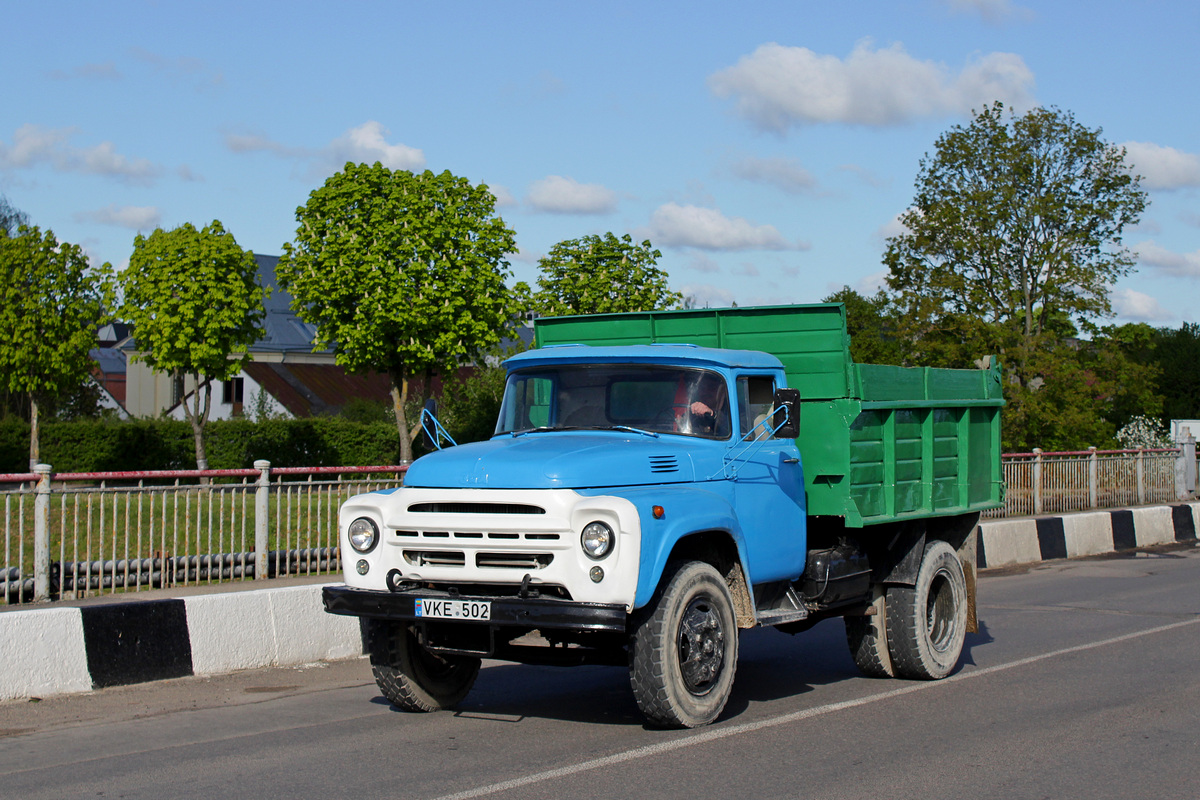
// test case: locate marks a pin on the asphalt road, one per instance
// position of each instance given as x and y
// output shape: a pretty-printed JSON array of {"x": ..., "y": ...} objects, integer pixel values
[{"x": 1083, "y": 682}]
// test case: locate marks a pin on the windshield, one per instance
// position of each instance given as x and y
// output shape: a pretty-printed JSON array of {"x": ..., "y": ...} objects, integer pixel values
[{"x": 692, "y": 402}]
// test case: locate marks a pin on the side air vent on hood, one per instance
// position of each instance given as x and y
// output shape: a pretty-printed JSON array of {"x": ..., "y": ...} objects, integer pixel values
[{"x": 664, "y": 464}]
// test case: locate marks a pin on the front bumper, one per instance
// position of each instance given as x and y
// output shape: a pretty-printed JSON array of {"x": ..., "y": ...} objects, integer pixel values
[{"x": 507, "y": 612}]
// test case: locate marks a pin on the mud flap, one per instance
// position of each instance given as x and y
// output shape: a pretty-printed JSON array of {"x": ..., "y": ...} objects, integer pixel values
[{"x": 966, "y": 554}]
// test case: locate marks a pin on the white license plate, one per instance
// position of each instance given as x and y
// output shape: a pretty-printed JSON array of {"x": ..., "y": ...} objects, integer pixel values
[{"x": 454, "y": 609}]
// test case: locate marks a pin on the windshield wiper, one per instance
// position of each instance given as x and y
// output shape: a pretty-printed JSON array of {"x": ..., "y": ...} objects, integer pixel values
[
  {"x": 629, "y": 428},
  {"x": 544, "y": 428}
]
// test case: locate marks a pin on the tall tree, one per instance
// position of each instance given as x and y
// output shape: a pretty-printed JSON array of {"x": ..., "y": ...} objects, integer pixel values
[
  {"x": 1015, "y": 225},
  {"x": 601, "y": 274},
  {"x": 52, "y": 305},
  {"x": 195, "y": 304},
  {"x": 402, "y": 274},
  {"x": 1012, "y": 245},
  {"x": 11, "y": 218}
]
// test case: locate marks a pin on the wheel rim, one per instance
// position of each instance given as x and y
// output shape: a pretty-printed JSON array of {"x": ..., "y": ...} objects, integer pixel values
[
  {"x": 940, "y": 618},
  {"x": 701, "y": 646}
]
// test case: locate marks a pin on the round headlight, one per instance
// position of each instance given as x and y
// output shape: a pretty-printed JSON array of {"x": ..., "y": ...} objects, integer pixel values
[
  {"x": 363, "y": 535},
  {"x": 597, "y": 540}
]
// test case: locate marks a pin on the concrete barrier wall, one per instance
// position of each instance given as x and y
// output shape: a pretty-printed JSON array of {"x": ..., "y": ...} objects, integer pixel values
[
  {"x": 45, "y": 651},
  {"x": 1011, "y": 542}
]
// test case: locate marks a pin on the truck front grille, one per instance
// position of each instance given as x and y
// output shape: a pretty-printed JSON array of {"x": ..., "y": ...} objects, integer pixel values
[
  {"x": 521, "y": 561},
  {"x": 435, "y": 558},
  {"x": 457, "y": 558}
]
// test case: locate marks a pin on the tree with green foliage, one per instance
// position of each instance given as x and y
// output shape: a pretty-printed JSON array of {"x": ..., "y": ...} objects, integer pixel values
[
  {"x": 11, "y": 218},
  {"x": 602, "y": 274},
  {"x": 53, "y": 304},
  {"x": 402, "y": 274},
  {"x": 1086, "y": 390},
  {"x": 1015, "y": 226},
  {"x": 195, "y": 304},
  {"x": 1012, "y": 245},
  {"x": 872, "y": 325},
  {"x": 1176, "y": 353}
]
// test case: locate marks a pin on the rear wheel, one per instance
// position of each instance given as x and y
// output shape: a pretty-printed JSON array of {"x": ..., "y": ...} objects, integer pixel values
[
  {"x": 867, "y": 639},
  {"x": 413, "y": 678},
  {"x": 927, "y": 623},
  {"x": 684, "y": 649}
]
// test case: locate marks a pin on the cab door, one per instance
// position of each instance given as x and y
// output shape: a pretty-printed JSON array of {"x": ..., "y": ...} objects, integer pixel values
[{"x": 768, "y": 486}]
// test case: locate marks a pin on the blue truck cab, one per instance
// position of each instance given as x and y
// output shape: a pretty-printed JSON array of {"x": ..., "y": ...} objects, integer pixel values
[{"x": 637, "y": 505}]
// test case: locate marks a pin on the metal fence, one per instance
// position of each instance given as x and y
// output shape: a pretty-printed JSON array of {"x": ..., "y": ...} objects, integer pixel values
[
  {"x": 70, "y": 536},
  {"x": 75, "y": 535},
  {"x": 1053, "y": 483}
]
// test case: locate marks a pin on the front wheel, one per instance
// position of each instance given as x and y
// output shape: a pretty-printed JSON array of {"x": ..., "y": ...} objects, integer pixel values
[
  {"x": 927, "y": 623},
  {"x": 411, "y": 677},
  {"x": 684, "y": 647}
]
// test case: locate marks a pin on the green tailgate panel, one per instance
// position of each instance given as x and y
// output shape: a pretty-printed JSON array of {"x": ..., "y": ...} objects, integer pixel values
[{"x": 879, "y": 443}]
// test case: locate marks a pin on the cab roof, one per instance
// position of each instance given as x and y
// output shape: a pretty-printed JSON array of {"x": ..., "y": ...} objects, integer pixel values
[{"x": 679, "y": 354}]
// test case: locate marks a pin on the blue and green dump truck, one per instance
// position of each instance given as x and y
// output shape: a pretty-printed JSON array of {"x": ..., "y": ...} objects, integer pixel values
[{"x": 659, "y": 481}]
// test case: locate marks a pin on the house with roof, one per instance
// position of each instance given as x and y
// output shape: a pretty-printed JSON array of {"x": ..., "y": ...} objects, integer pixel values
[{"x": 283, "y": 376}]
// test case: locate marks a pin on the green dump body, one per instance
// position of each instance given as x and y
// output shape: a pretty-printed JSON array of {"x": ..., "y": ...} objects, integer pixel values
[{"x": 878, "y": 443}]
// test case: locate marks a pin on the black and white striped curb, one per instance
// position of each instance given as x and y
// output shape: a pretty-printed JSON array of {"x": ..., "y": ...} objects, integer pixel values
[
  {"x": 1004, "y": 543},
  {"x": 47, "y": 651}
]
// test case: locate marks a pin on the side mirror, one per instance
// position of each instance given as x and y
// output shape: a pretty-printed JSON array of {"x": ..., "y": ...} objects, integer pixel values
[{"x": 787, "y": 403}]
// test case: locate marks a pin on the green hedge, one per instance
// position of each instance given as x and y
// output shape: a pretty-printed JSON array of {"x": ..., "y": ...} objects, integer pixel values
[{"x": 104, "y": 446}]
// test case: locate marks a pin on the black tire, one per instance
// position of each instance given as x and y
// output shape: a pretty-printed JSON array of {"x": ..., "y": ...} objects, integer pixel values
[
  {"x": 867, "y": 639},
  {"x": 684, "y": 647},
  {"x": 927, "y": 623},
  {"x": 411, "y": 677}
]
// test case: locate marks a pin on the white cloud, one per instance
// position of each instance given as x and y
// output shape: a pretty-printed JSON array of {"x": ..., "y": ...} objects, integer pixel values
[
  {"x": 865, "y": 175},
  {"x": 1163, "y": 167},
  {"x": 103, "y": 71},
  {"x": 365, "y": 144},
  {"x": 138, "y": 218},
  {"x": 701, "y": 262},
  {"x": 993, "y": 11},
  {"x": 255, "y": 142},
  {"x": 558, "y": 195},
  {"x": 525, "y": 256},
  {"x": 777, "y": 87},
  {"x": 783, "y": 173},
  {"x": 504, "y": 198},
  {"x": 1183, "y": 265},
  {"x": 34, "y": 145},
  {"x": 1139, "y": 307},
  {"x": 674, "y": 225},
  {"x": 893, "y": 227},
  {"x": 870, "y": 285},
  {"x": 704, "y": 295}
]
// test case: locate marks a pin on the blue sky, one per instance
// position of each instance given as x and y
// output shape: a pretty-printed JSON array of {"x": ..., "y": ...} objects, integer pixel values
[{"x": 766, "y": 149}]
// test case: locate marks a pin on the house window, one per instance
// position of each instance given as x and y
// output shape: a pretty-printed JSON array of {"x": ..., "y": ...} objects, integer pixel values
[
  {"x": 176, "y": 389},
  {"x": 232, "y": 391}
]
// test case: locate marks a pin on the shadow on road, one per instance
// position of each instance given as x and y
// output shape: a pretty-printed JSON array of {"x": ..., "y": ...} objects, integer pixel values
[{"x": 771, "y": 665}]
